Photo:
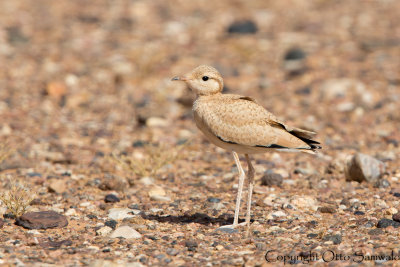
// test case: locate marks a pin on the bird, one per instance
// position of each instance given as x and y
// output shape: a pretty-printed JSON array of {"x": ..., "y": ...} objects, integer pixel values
[{"x": 240, "y": 125}]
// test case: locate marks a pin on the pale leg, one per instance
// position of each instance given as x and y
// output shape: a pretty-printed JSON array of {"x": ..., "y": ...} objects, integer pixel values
[
  {"x": 240, "y": 188},
  {"x": 250, "y": 175}
]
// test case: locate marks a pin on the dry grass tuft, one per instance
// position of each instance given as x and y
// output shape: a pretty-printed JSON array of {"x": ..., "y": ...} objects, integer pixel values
[
  {"x": 17, "y": 198},
  {"x": 155, "y": 156}
]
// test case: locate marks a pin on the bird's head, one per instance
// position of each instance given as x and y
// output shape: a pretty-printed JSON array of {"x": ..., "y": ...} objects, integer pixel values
[{"x": 203, "y": 80}]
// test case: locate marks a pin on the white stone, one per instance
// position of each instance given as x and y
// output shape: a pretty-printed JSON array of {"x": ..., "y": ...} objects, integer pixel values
[
  {"x": 120, "y": 213},
  {"x": 125, "y": 232},
  {"x": 103, "y": 231}
]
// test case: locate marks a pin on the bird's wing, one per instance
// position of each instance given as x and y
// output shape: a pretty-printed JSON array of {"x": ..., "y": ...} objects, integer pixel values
[{"x": 240, "y": 120}]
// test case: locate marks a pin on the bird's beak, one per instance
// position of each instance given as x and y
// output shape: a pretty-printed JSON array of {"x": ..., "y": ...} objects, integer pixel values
[{"x": 177, "y": 78}]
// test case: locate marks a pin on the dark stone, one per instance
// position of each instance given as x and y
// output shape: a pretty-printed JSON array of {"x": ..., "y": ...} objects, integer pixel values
[
  {"x": 270, "y": 179},
  {"x": 139, "y": 143},
  {"x": 326, "y": 209},
  {"x": 8, "y": 216},
  {"x": 134, "y": 206},
  {"x": 91, "y": 216},
  {"x": 295, "y": 54},
  {"x": 34, "y": 174},
  {"x": 214, "y": 200},
  {"x": 191, "y": 244},
  {"x": 56, "y": 244},
  {"x": 336, "y": 239},
  {"x": 359, "y": 212},
  {"x": 383, "y": 223},
  {"x": 303, "y": 91},
  {"x": 16, "y": 36},
  {"x": 227, "y": 230},
  {"x": 111, "y": 198},
  {"x": 376, "y": 231},
  {"x": 261, "y": 246},
  {"x": 396, "y": 194},
  {"x": 1, "y": 223},
  {"x": 111, "y": 223},
  {"x": 396, "y": 217},
  {"x": 312, "y": 235},
  {"x": 243, "y": 27},
  {"x": 42, "y": 220},
  {"x": 382, "y": 183}
]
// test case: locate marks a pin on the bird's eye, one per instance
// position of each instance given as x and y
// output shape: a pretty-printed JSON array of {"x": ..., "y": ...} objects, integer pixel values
[{"x": 205, "y": 78}]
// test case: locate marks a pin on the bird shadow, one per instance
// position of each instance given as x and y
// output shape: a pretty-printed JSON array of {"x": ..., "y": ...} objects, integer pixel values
[{"x": 200, "y": 218}]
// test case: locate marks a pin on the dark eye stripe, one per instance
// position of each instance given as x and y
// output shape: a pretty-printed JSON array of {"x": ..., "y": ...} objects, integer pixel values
[{"x": 205, "y": 78}]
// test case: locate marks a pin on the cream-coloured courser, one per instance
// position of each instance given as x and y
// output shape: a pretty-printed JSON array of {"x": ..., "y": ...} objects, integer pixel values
[{"x": 238, "y": 124}]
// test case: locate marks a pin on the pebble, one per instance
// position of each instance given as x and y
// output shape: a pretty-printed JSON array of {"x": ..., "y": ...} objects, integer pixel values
[
  {"x": 214, "y": 200},
  {"x": 42, "y": 220},
  {"x": 362, "y": 167},
  {"x": 191, "y": 245},
  {"x": 243, "y": 27},
  {"x": 120, "y": 213},
  {"x": 326, "y": 209},
  {"x": 295, "y": 54},
  {"x": 70, "y": 212},
  {"x": 172, "y": 251},
  {"x": 104, "y": 231},
  {"x": 383, "y": 223},
  {"x": 147, "y": 180},
  {"x": 304, "y": 203},
  {"x": 156, "y": 122},
  {"x": 58, "y": 186},
  {"x": 271, "y": 179},
  {"x": 336, "y": 239},
  {"x": 395, "y": 217},
  {"x": 125, "y": 232},
  {"x": 275, "y": 214},
  {"x": 226, "y": 230},
  {"x": 111, "y": 198},
  {"x": 111, "y": 223}
]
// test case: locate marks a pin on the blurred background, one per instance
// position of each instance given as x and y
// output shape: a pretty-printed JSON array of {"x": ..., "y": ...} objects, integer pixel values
[
  {"x": 84, "y": 74},
  {"x": 87, "y": 107}
]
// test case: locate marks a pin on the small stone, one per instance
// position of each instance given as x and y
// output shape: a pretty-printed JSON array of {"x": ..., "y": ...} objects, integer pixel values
[
  {"x": 191, "y": 245},
  {"x": 214, "y": 200},
  {"x": 382, "y": 183},
  {"x": 304, "y": 203},
  {"x": 227, "y": 230},
  {"x": 111, "y": 198},
  {"x": 336, "y": 239},
  {"x": 271, "y": 179},
  {"x": 70, "y": 212},
  {"x": 376, "y": 231},
  {"x": 156, "y": 122},
  {"x": 56, "y": 89},
  {"x": 312, "y": 235},
  {"x": 34, "y": 174},
  {"x": 161, "y": 198},
  {"x": 172, "y": 251},
  {"x": 275, "y": 214},
  {"x": 58, "y": 186},
  {"x": 157, "y": 191},
  {"x": 327, "y": 209},
  {"x": 42, "y": 220},
  {"x": 396, "y": 194},
  {"x": 243, "y": 27},
  {"x": 104, "y": 231},
  {"x": 147, "y": 180},
  {"x": 383, "y": 223},
  {"x": 219, "y": 247},
  {"x": 395, "y": 217},
  {"x": 111, "y": 223},
  {"x": 125, "y": 232},
  {"x": 363, "y": 167},
  {"x": 120, "y": 213},
  {"x": 359, "y": 212},
  {"x": 295, "y": 54}
]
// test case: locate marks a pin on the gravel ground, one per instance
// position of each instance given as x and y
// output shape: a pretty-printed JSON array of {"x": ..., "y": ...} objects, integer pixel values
[{"x": 94, "y": 134}]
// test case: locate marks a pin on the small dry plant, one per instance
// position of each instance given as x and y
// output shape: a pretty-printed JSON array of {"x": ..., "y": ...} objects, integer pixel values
[
  {"x": 154, "y": 158},
  {"x": 17, "y": 198}
]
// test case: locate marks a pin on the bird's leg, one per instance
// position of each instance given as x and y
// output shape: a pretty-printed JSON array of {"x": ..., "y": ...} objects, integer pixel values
[
  {"x": 240, "y": 188},
  {"x": 250, "y": 175}
]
